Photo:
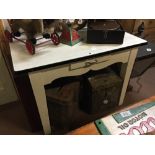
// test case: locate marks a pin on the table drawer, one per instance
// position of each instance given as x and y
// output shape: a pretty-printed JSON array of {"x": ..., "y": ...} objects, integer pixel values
[
  {"x": 119, "y": 57},
  {"x": 85, "y": 64}
]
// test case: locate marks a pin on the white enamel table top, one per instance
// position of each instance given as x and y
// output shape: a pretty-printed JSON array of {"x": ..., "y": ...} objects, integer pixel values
[{"x": 48, "y": 54}]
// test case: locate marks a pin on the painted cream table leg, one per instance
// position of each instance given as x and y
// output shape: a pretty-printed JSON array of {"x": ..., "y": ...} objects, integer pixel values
[
  {"x": 126, "y": 72},
  {"x": 39, "y": 93}
]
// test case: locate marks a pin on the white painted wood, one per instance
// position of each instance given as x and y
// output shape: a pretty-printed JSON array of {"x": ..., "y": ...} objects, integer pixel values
[
  {"x": 7, "y": 90},
  {"x": 50, "y": 54},
  {"x": 37, "y": 83},
  {"x": 120, "y": 56},
  {"x": 40, "y": 78},
  {"x": 126, "y": 72}
]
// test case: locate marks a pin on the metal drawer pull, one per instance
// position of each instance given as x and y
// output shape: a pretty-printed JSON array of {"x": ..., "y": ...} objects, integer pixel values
[
  {"x": 89, "y": 63},
  {"x": 84, "y": 65}
]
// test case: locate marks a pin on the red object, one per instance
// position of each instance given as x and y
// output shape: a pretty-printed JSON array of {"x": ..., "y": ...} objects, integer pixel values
[
  {"x": 8, "y": 36},
  {"x": 69, "y": 36},
  {"x": 75, "y": 35},
  {"x": 55, "y": 38},
  {"x": 66, "y": 35},
  {"x": 30, "y": 47}
]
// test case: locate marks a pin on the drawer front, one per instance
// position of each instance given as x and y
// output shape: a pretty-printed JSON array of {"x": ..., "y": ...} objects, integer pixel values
[
  {"x": 85, "y": 64},
  {"x": 118, "y": 57}
]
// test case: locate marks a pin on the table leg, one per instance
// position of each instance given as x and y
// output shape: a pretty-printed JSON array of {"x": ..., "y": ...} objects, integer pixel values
[
  {"x": 39, "y": 93},
  {"x": 126, "y": 72}
]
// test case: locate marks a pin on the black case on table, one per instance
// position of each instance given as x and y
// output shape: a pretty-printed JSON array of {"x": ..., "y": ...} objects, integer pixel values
[{"x": 100, "y": 36}]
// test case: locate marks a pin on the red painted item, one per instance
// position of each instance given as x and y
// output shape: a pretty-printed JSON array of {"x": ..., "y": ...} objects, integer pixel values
[
  {"x": 55, "y": 38},
  {"x": 75, "y": 35},
  {"x": 30, "y": 47},
  {"x": 69, "y": 36},
  {"x": 28, "y": 43}
]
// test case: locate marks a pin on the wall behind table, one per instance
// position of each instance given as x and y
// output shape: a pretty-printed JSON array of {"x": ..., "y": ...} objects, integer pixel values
[{"x": 131, "y": 26}]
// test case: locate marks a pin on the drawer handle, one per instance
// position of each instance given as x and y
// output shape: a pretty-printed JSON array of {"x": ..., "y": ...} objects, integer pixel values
[
  {"x": 89, "y": 63},
  {"x": 85, "y": 65}
]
